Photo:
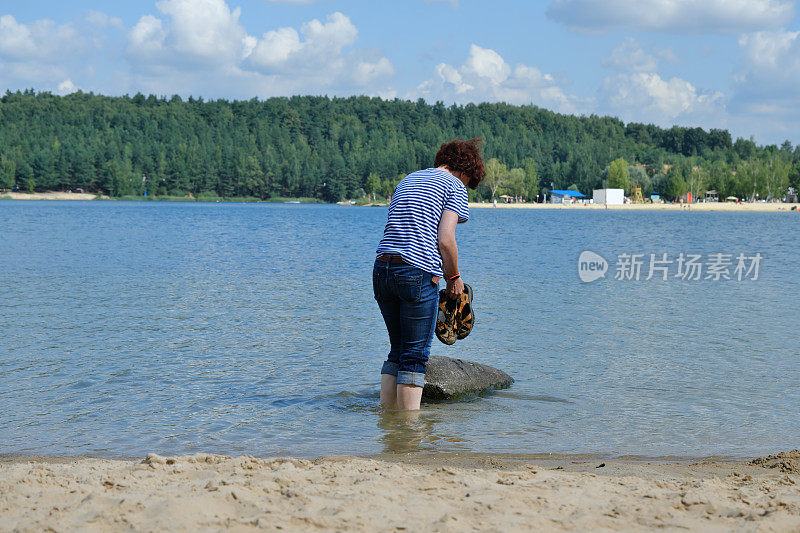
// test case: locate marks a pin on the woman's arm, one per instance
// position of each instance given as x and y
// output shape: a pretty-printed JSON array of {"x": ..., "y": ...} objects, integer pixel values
[{"x": 449, "y": 251}]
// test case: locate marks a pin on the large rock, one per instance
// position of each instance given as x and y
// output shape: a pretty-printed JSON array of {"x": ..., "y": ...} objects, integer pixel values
[{"x": 448, "y": 378}]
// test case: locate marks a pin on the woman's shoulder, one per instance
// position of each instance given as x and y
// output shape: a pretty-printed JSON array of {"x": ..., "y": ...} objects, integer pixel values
[{"x": 435, "y": 175}]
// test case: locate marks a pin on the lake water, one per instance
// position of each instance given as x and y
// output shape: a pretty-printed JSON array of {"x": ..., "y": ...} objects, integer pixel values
[{"x": 127, "y": 328}]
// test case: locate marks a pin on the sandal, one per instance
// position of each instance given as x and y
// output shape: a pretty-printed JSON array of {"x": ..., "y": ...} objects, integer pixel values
[
  {"x": 446, "y": 319},
  {"x": 465, "y": 316}
]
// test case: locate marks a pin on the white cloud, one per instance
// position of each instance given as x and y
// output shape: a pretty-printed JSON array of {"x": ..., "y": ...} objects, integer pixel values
[
  {"x": 771, "y": 53},
  {"x": 206, "y": 29},
  {"x": 16, "y": 40},
  {"x": 43, "y": 40},
  {"x": 675, "y": 16},
  {"x": 207, "y": 34},
  {"x": 199, "y": 33},
  {"x": 46, "y": 55},
  {"x": 640, "y": 94},
  {"x": 322, "y": 45},
  {"x": 201, "y": 45},
  {"x": 276, "y": 47},
  {"x": 450, "y": 75},
  {"x": 336, "y": 33},
  {"x": 646, "y": 97},
  {"x": 102, "y": 20},
  {"x": 769, "y": 70},
  {"x": 485, "y": 76},
  {"x": 487, "y": 64},
  {"x": 316, "y": 56},
  {"x": 766, "y": 84},
  {"x": 26, "y": 74},
  {"x": 366, "y": 71},
  {"x": 146, "y": 39},
  {"x": 629, "y": 56},
  {"x": 66, "y": 87}
]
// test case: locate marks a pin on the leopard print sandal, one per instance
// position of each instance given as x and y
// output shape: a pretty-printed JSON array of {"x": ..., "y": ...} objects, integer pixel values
[
  {"x": 465, "y": 315},
  {"x": 446, "y": 319}
]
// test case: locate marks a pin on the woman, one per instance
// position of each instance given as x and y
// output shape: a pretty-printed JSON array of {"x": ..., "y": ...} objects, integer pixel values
[{"x": 418, "y": 248}]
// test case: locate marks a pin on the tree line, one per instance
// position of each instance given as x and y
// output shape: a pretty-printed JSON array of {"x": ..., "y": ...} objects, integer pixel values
[{"x": 336, "y": 148}]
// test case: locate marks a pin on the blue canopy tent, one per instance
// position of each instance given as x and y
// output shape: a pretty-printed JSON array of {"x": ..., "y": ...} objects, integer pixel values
[{"x": 557, "y": 197}]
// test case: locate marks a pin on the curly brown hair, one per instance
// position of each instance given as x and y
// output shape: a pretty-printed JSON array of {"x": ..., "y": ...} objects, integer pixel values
[{"x": 462, "y": 156}]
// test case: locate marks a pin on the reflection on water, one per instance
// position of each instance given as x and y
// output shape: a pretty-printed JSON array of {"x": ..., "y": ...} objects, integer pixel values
[
  {"x": 127, "y": 328},
  {"x": 414, "y": 431},
  {"x": 404, "y": 431}
]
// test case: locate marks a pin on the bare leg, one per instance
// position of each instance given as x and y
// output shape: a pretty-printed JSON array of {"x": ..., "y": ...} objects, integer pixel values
[
  {"x": 408, "y": 397},
  {"x": 388, "y": 391}
]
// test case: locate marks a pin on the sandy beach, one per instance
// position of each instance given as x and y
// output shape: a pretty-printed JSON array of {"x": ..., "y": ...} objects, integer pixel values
[
  {"x": 709, "y": 206},
  {"x": 445, "y": 492},
  {"x": 51, "y": 195}
]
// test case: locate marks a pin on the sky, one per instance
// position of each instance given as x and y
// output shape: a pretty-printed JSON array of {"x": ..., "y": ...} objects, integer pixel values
[{"x": 731, "y": 64}]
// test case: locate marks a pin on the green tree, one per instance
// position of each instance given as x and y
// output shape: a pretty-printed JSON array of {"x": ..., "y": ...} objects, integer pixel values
[
  {"x": 495, "y": 175},
  {"x": 26, "y": 178},
  {"x": 372, "y": 184},
  {"x": 638, "y": 176},
  {"x": 617, "y": 177},
  {"x": 531, "y": 188},
  {"x": 8, "y": 170},
  {"x": 118, "y": 179},
  {"x": 659, "y": 184},
  {"x": 776, "y": 176},
  {"x": 675, "y": 185},
  {"x": 328, "y": 147},
  {"x": 515, "y": 182},
  {"x": 794, "y": 177}
]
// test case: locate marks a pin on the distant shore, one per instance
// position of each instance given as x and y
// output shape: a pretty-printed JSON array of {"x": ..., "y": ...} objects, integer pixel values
[
  {"x": 707, "y": 206},
  {"x": 58, "y": 195},
  {"x": 412, "y": 492}
]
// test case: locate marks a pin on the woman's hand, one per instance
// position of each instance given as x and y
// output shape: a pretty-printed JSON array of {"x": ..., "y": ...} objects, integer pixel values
[{"x": 455, "y": 288}]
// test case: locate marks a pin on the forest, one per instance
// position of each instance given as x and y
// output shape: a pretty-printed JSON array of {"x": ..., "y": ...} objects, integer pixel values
[{"x": 335, "y": 148}]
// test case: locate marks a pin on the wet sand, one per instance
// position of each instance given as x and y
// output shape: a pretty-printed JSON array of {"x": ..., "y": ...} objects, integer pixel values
[{"x": 428, "y": 492}]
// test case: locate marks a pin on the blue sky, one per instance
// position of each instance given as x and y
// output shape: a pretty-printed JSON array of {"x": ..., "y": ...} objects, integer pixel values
[{"x": 731, "y": 64}]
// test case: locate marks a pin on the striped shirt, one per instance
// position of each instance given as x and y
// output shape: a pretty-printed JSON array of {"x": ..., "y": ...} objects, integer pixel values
[{"x": 414, "y": 214}]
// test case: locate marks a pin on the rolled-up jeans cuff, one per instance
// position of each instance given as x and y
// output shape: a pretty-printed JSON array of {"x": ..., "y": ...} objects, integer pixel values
[
  {"x": 411, "y": 378},
  {"x": 390, "y": 368}
]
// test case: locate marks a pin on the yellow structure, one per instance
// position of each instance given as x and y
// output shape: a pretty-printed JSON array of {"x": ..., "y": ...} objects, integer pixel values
[{"x": 636, "y": 194}]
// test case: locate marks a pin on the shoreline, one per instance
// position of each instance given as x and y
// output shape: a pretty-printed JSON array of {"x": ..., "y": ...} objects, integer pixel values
[
  {"x": 448, "y": 492},
  {"x": 465, "y": 459},
  {"x": 709, "y": 206},
  {"x": 705, "y": 207}
]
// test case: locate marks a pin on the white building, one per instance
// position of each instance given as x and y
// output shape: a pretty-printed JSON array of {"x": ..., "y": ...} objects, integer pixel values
[{"x": 608, "y": 196}]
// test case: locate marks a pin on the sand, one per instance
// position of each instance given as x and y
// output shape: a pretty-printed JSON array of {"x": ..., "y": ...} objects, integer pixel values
[
  {"x": 403, "y": 492},
  {"x": 788, "y": 462},
  {"x": 710, "y": 206},
  {"x": 50, "y": 195}
]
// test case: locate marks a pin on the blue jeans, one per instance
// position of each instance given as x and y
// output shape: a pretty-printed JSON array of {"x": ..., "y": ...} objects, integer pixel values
[{"x": 408, "y": 301}]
